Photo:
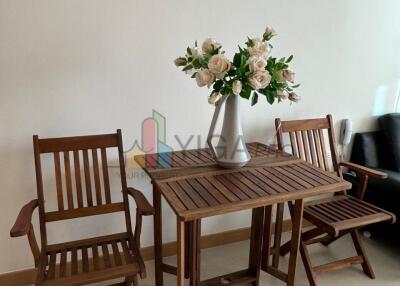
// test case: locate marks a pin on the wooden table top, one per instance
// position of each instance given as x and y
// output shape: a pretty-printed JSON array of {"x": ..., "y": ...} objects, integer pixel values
[
  {"x": 196, "y": 190},
  {"x": 170, "y": 164}
]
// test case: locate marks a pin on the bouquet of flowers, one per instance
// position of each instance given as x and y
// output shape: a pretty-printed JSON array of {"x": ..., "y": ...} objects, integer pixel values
[{"x": 252, "y": 73}]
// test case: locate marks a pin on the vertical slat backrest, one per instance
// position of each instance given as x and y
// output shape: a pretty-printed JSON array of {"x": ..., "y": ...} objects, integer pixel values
[
  {"x": 307, "y": 141},
  {"x": 70, "y": 192},
  {"x": 82, "y": 183}
]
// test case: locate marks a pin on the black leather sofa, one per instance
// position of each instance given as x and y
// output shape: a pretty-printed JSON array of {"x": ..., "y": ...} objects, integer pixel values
[{"x": 381, "y": 150}]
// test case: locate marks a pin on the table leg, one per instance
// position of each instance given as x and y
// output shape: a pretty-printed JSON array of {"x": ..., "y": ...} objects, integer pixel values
[
  {"x": 297, "y": 220},
  {"x": 266, "y": 251},
  {"x": 195, "y": 257},
  {"x": 157, "y": 236},
  {"x": 256, "y": 237},
  {"x": 189, "y": 248},
  {"x": 181, "y": 252},
  {"x": 278, "y": 234}
]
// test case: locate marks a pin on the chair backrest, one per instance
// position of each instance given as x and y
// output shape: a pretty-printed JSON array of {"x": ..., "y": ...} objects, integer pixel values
[
  {"x": 82, "y": 184},
  {"x": 307, "y": 141}
]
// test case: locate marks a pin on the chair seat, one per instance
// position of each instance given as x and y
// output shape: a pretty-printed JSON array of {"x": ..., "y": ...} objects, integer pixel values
[
  {"x": 91, "y": 260},
  {"x": 341, "y": 213}
]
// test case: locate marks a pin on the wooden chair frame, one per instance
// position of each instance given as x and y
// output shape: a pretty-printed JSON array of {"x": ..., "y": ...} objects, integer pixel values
[
  {"x": 304, "y": 132},
  {"x": 103, "y": 204}
]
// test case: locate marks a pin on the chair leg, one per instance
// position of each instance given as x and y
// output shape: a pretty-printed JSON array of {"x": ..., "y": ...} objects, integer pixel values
[
  {"x": 135, "y": 281},
  {"x": 131, "y": 281},
  {"x": 361, "y": 251},
  {"x": 332, "y": 239},
  {"x": 308, "y": 235},
  {"x": 305, "y": 256}
]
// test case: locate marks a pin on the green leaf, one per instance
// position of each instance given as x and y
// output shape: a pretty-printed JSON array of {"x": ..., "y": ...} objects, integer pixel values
[
  {"x": 195, "y": 44},
  {"x": 196, "y": 64},
  {"x": 189, "y": 51},
  {"x": 225, "y": 90},
  {"x": 246, "y": 91},
  {"x": 296, "y": 86},
  {"x": 187, "y": 68},
  {"x": 249, "y": 42},
  {"x": 237, "y": 60},
  {"x": 243, "y": 60},
  {"x": 289, "y": 59},
  {"x": 218, "y": 85},
  {"x": 271, "y": 96},
  {"x": 281, "y": 66},
  {"x": 203, "y": 62},
  {"x": 215, "y": 51},
  {"x": 194, "y": 75},
  {"x": 254, "y": 99},
  {"x": 263, "y": 91}
]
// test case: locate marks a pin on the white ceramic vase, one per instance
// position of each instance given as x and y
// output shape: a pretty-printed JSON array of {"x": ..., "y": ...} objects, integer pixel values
[{"x": 231, "y": 151}]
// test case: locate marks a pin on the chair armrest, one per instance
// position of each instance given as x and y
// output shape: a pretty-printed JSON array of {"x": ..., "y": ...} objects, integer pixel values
[
  {"x": 142, "y": 203},
  {"x": 23, "y": 223},
  {"x": 364, "y": 170}
]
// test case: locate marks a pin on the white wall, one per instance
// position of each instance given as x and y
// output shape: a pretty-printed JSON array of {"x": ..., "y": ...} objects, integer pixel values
[{"x": 81, "y": 67}]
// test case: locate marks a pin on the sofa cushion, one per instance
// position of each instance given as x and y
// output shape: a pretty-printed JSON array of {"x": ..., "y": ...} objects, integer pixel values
[
  {"x": 385, "y": 191},
  {"x": 369, "y": 150},
  {"x": 390, "y": 127}
]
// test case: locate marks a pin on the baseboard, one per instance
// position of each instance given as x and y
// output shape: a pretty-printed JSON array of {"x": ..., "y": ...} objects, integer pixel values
[{"x": 27, "y": 276}]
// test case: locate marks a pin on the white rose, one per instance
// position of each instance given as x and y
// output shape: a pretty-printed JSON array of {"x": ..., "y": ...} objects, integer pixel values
[
  {"x": 210, "y": 45},
  {"x": 260, "y": 79},
  {"x": 219, "y": 65},
  {"x": 257, "y": 64},
  {"x": 259, "y": 48},
  {"x": 294, "y": 97},
  {"x": 237, "y": 87},
  {"x": 269, "y": 33},
  {"x": 194, "y": 53},
  {"x": 204, "y": 78},
  {"x": 286, "y": 75},
  {"x": 214, "y": 98},
  {"x": 282, "y": 94}
]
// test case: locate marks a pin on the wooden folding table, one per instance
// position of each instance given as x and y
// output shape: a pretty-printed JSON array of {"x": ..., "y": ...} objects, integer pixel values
[{"x": 195, "y": 188}]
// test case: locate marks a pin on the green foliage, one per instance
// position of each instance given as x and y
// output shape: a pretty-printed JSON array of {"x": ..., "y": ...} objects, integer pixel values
[
  {"x": 218, "y": 85},
  {"x": 246, "y": 91},
  {"x": 187, "y": 68},
  {"x": 249, "y": 43},
  {"x": 271, "y": 95},
  {"x": 254, "y": 99}
]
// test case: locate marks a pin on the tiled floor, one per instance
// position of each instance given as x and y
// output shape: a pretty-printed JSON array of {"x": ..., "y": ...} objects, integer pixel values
[{"x": 229, "y": 258}]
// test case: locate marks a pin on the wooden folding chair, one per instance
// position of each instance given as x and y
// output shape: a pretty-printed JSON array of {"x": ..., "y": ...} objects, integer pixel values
[
  {"x": 332, "y": 217},
  {"x": 83, "y": 190}
]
